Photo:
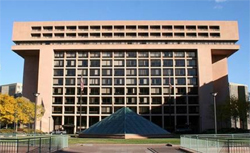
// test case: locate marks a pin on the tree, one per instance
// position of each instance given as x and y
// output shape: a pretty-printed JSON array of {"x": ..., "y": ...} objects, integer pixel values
[{"x": 7, "y": 109}]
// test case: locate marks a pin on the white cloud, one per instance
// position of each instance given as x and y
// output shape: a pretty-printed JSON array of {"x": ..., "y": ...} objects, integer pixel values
[{"x": 219, "y": 1}]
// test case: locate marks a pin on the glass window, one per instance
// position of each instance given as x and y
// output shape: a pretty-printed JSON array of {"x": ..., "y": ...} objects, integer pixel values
[
  {"x": 107, "y": 91},
  {"x": 58, "y": 81},
  {"x": 155, "y": 63},
  {"x": 58, "y": 72},
  {"x": 58, "y": 63},
  {"x": 155, "y": 54},
  {"x": 168, "y": 72},
  {"x": 118, "y": 54},
  {"x": 131, "y": 63},
  {"x": 70, "y": 81},
  {"x": 167, "y": 54},
  {"x": 144, "y": 100},
  {"x": 155, "y": 81},
  {"x": 59, "y": 54},
  {"x": 144, "y": 81},
  {"x": 180, "y": 81},
  {"x": 191, "y": 54},
  {"x": 106, "y": 72},
  {"x": 119, "y": 63},
  {"x": 131, "y": 81},
  {"x": 179, "y": 54},
  {"x": 94, "y": 72},
  {"x": 131, "y": 72},
  {"x": 95, "y": 63},
  {"x": 119, "y": 72},
  {"x": 191, "y": 62},
  {"x": 167, "y": 63},
  {"x": 119, "y": 81},
  {"x": 106, "y": 81},
  {"x": 166, "y": 81},
  {"x": 106, "y": 54},
  {"x": 180, "y": 72},
  {"x": 83, "y": 72},
  {"x": 94, "y": 81},
  {"x": 83, "y": 63},
  {"x": 181, "y": 90},
  {"x": 179, "y": 63},
  {"x": 82, "y": 54},
  {"x": 192, "y": 72},
  {"x": 156, "y": 91},
  {"x": 57, "y": 91},
  {"x": 70, "y": 72},
  {"x": 70, "y": 63},
  {"x": 106, "y": 63},
  {"x": 131, "y": 54},
  {"x": 143, "y": 72},
  {"x": 95, "y": 54},
  {"x": 144, "y": 91},
  {"x": 143, "y": 54},
  {"x": 131, "y": 91},
  {"x": 143, "y": 63},
  {"x": 119, "y": 91},
  {"x": 69, "y": 91},
  {"x": 192, "y": 81},
  {"x": 155, "y": 72},
  {"x": 70, "y": 54}
]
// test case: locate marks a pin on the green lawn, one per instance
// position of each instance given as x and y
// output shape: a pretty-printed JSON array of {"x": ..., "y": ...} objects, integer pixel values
[{"x": 73, "y": 140}]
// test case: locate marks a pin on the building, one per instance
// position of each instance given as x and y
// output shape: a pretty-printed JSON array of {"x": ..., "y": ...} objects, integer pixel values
[
  {"x": 162, "y": 70},
  {"x": 239, "y": 91},
  {"x": 11, "y": 89}
]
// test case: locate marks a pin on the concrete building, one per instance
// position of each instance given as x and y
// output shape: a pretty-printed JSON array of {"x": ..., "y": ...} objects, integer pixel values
[
  {"x": 239, "y": 91},
  {"x": 11, "y": 89},
  {"x": 162, "y": 70}
]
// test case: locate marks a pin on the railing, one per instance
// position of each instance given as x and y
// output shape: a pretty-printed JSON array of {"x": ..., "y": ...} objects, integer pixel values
[
  {"x": 36, "y": 144},
  {"x": 220, "y": 143}
]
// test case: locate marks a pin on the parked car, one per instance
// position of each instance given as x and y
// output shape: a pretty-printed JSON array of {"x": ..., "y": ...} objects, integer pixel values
[{"x": 58, "y": 132}]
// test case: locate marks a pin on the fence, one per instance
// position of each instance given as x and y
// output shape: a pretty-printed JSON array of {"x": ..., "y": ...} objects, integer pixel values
[
  {"x": 220, "y": 143},
  {"x": 41, "y": 144}
]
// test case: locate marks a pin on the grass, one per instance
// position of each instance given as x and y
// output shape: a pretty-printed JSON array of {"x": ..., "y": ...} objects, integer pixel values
[{"x": 73, "y": 140}]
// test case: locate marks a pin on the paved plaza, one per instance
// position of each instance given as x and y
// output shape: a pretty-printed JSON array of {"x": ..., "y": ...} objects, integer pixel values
[{"x": 121, "y": 148}]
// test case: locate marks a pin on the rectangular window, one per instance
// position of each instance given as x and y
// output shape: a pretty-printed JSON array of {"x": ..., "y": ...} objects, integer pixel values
[
  {"x": 131, "y": 54},
  {"x": 155, "y": 54},
  {"x": 119, "y": 72},
  {"x": 155, "y": 72},
  {"x": 83, "y": 63},
  {"x": 58, "y": 72},
  {"x": 57, "y": 81},
  {"x": 155, "y": 81},
  {"x": 58, "y": 63},
  {"x": 70, "y": 81},
  {"x": 143, "y": 72},
  {"x": 83, "y": 72},
  {"x": 106, "y": 54},
  {"x": 191, "y": 54},
  {"x": 179, "y": 54},
  {"x": 180, "y": 63},
  {"x": 167, "y": 80},
  {"x": 180, "y": 81},
  {"x": 119, "y": 63},
  {"x": 180, "y": 72},
  {"x": 70, "y": 72},
  {"x": 94, "y": 72},
  {"x": 155, "y": 63},
  {"x": 106, "y": 72},
  {"x": 143, "y": 63},
  {"x": 107, "y": 91},
  {"x": 131, "y": 72},
  {"x": 82, "y": 54},
  {"x": 144, "y": 81},
  {"x": 106, "y": 63},
  {"x": 192, "y": 72},
  {"x": 70, "y": 54},
  {"x": 192, "y": 81},
  {"x": 95, "y": 63},
  {"x": 167, "y": 54},
  {"x": 119, "y": 54},
  {"x": 94, "y": 81},
  {"x": 119, "y": 81},
  {"x": 131, "y": 91},
  {"x": 143, "y": 54},
  {"x": 144, "y": 100},
  {"x": 167, "y": 63},
  {"x": 70, "y": 63},
  {"x": 144, "y": 91},
  {"x": 191, "y": 62},
  {"x": 168, "y": 72},
  {"x": 131, "y": 81},
  {"x": 106, "y": 81},
  {"x": 59, "y": 54},
  {"x": 131, "y": 63},
  {"x": 95, "y": 54}
]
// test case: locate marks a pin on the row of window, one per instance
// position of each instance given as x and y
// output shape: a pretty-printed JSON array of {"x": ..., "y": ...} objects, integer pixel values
[
  {"x": 124, "y": 35},
  {"x": 142, "y": 110},
  {"x": 131, "y": 54},
  {"x": 126, "y": 27},
  {"x": 128, "y": 91},
  {"x": 183, "y": 100},
  {"x": 129, "y": 63}
]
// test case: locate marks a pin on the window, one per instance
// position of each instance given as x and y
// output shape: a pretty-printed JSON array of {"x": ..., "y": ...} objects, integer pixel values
[
  {"x": 131, "y": 81},
  {"x": 70, "y": 91},
  {"x": 107, "y": 91},
  {"x": 106, "y": 54},
  {"x": 156, "y": 100},
  {"x": 70, "y": 63},
  {"x": 155, "y": 63},
  {"x": 168, "y": 72},
  {"x": 143, "y": 110},
  {"x": 82, "y": 54},
  {"x": 106, "y": 63},
  {"x": 70, "y": 81},
  {"x": 143, "y": 54},
  {"x": 144, "y": 100},
  {"x": 57, "y": 81},
  {"x": 119, "y": 91},
  {"x": 58, "y": 72},
  {"x": 131, "y": 100},
  {"x": 82, "y": 63},
  {"x": 93, "y": 100},
  {"x": 119, "y": 54},
  {"x": 58, "y": 63},
  {"x": 191, "y": 54},
  {"x": 155, "y": 81},
  {"x": 106, "y": 81},
  {"x": 119, "y": 72},
  {"x": 94, "y": 81},
  {"x": 59, "y": 55},
  {"x": 144, "y": 91},
  {"x": 143, "y": 72},
  {"x": 131, "y": 63},
  {"x": 70, "y": 54},
  {"x": 155, "y": 54},
  {"x": 94, "y": 72},
  {"x": 85, "y": 82},
  {"x": 70, "y": 72},
  {"x": 179, "y": 54},
  {"x": 155, "y": 72},
  {"x": 119, "y": 100},
  {"x": 95, "y": 63},
  {"x": 179, "y": 63},
  {"x": 144, "y": 81},
  {"x": 192, "y": 72},
  {"x": 167, "y": 80},
  {"x": 192, "y": 90},
  {"x": 143, "y": 63},
  {"x": 106, "y": 100},
  {"x": 131, "y": 54},
  {"x": 180, "y": 81},
  {"x": 191, "y": 62},
  {"x": 181, "y": 90},
  {"x": 131, "y": 91},
  {"x": 95, "y": 54},
  {"x": 156, "y": 91},
  {"x": 106, "y": 72},
  {"x": 131, "y": 72},
  {"x": 167, "y": 63},
  {"x": 83, "y": 72},
  {"x": 180, "y": 72},
  {"x": 192, "y": 81},
  {"x": 167, "y": 54},
  {"x": 94, "y": 91},
  {"x": 119, "y": 63},
  {"x": 119, "y": 81},
  {"x": 57, "y": 91},
  {"x": 106, "y": 110}
]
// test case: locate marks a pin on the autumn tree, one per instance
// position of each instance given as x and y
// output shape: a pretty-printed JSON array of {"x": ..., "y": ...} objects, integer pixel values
[{"x": 7, "y": 109}]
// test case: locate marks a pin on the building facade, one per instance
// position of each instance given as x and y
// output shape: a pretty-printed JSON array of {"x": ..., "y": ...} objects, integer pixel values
[
  {"x": 11, "y": 89},
  {"x": 162, "y": 70}
]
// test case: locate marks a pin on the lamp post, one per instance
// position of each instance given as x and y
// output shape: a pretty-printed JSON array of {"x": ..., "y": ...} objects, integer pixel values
[
  {"x": 214, "y": 94},
  {"x": 36, "y": 95},
  {"x": 49, "y": 124}
]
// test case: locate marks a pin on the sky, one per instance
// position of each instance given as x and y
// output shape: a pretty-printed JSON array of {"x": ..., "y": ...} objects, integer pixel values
[{"x": 11, "y": 65}]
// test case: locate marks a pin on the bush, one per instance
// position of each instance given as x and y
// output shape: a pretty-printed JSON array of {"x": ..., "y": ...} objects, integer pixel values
[{"x": 7, "y": 130}]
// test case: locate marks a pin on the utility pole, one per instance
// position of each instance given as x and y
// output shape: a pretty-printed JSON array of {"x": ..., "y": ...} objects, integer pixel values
[{"x": 214, "y": 94}]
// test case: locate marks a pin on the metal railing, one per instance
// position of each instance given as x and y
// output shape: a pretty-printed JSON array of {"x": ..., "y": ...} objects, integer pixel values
[
  {"x": 37, "y": 144},
  {"x": 220, "y": 143}
]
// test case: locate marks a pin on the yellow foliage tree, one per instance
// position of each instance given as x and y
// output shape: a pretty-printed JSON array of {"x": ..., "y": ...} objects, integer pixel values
[
  {"x": 7, "y": 108},
  {"x": 25, "y": 110}
]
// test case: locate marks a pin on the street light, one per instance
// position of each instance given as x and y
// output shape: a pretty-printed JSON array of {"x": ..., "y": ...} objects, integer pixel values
[
  {"x": 36, "y": 95},
  {"x": 214, "y": 94},
  {"x": 49, "y": 124}
]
